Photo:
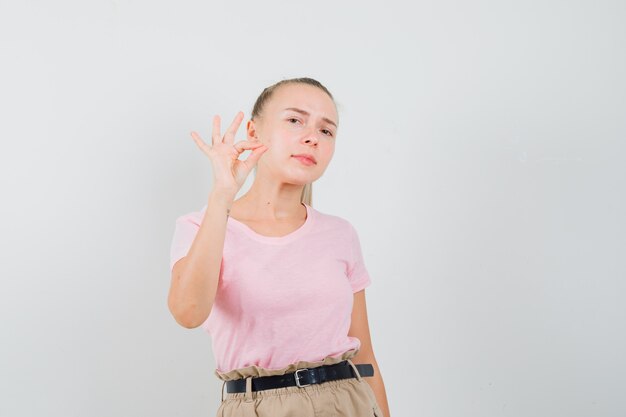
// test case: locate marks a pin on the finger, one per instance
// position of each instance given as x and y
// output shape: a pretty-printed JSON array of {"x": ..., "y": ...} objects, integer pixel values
[
  {"x": 199, "y": 141},
  {"x": 245, "y": 144},
  {"x": 229, "y": 136},
  {"x": 254, "y": 157},
  {"x": 216, "y": 137}
]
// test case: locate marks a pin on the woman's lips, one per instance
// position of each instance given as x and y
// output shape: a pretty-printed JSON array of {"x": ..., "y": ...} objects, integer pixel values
[{"x": 304, "y": 160}]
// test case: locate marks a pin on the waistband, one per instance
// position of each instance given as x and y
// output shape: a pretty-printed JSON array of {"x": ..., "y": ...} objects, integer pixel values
[
  {"x": 255, "y": 371},
  {"x": 301, "y": 377}
]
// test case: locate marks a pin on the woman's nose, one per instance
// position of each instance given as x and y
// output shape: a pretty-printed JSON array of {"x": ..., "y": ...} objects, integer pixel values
[{"x": 311, "y": 137}]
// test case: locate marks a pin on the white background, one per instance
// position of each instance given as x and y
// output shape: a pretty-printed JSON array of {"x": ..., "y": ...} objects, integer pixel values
[{"x": 480, "y": 156}]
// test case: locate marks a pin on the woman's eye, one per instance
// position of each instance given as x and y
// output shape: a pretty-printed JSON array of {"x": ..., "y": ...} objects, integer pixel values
[{"x": 326, "y": 131}]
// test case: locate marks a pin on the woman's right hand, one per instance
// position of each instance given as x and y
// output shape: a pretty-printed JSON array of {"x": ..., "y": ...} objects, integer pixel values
[{"x": 229, "y": 173}]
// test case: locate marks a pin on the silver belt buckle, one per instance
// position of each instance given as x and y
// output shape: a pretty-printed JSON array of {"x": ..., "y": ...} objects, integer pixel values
[{"x": 298, "y": 378}]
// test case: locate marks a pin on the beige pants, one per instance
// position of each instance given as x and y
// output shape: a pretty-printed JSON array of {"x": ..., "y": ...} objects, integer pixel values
[{"x": 349, "y": 397}]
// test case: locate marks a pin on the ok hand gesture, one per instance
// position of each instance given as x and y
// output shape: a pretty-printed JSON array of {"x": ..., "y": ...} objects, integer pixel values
[{"x": 229, "y": 173}]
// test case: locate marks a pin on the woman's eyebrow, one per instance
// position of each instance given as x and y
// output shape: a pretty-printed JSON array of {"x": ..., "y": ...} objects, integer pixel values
[{"x": 306, "y": 113}]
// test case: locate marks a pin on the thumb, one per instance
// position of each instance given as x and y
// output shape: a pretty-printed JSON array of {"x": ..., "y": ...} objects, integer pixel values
[{"x": 255, "y": 155}]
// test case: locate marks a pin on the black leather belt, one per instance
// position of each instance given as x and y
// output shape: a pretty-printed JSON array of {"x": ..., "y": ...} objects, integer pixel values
[{"x": 302, "y": 377}]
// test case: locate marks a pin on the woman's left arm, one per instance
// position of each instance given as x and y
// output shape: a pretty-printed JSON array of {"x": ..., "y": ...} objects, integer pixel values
[{"x": 359, "y": 328}]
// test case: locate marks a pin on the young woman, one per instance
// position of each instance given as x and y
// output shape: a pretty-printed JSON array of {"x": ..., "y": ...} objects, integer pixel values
[{"x": 277, "y": 284}]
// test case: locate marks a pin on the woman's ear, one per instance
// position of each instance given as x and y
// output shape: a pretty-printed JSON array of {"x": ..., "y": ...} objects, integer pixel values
[{"x": 251, "y": 132}]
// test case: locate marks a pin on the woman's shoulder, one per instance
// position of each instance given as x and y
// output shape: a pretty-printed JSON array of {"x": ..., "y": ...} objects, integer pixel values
[{"x": 333, "y": 221}]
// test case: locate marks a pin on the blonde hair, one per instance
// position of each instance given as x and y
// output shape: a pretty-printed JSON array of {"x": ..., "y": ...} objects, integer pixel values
[{"x": 265, "y": 96}]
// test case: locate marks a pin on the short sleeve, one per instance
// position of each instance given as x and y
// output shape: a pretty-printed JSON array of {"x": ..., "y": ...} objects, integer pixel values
[
  {"x": 357, "y": 272},
  {"x": 185, "y": 231}
]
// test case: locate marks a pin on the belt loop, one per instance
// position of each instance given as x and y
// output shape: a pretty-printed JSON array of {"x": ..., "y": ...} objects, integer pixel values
[
  {"x": 223, "y": 383},
  {"x": 249, "y": 389},
  {"x": 356, "y": 371}
]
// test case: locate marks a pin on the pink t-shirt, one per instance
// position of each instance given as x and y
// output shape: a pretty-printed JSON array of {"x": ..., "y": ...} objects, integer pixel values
[{"x": 283, "y": 299}]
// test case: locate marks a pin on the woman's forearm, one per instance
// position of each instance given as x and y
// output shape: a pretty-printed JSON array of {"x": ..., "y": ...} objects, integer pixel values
[
  {"x": 378, "y": 386},
  {"x": 195, "y": 277}
]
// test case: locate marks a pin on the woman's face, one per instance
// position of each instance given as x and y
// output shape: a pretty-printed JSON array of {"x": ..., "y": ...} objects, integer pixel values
[{"x": 297, "y": 119}]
